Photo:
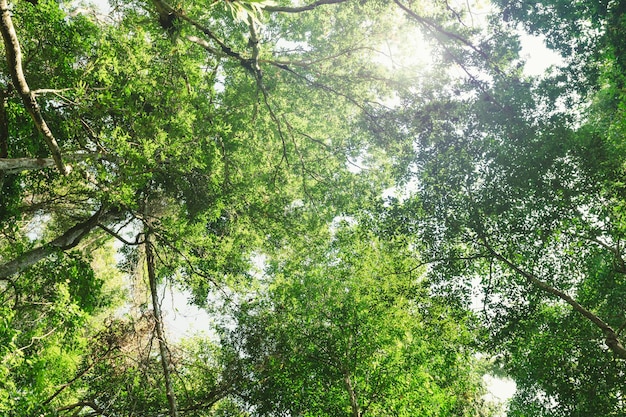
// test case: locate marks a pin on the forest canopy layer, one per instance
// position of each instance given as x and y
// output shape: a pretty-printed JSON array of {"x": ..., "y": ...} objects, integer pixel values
[{"x": 372, "y": 201}]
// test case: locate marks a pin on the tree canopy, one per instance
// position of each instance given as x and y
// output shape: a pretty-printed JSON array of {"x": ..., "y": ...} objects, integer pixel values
[{"x": 372, "y": 200}]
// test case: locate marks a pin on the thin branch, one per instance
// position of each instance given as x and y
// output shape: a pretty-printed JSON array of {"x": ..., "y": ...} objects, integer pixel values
[
  {"x": 325, "y": 88},
  {"x": 434, "y": 27},
  {"x": 36, "y": 338},
  {"x": 204, "y": 44},
  {"x": 440, "y": 260},
  {"x": 119, "y": 237},
  {"x": 305, "y": 64},
  {"x": 163, "y": 349},
  {"x": 78, "y": 376},
  {"x": 167, "y": 242},
  {"x": 55, "y": 91},
  {"x": 97, "y": 410},
  {"x": 615, "y": 251},
  {"x": 163, "y": 7}
]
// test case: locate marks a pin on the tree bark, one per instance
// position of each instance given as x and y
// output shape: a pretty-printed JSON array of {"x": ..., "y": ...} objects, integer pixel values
[
  {"x": 163, "y": 351},
  {"x": 66, "y": 241},
  {"x": 301, "y": 8},
  {"x": 17, "y": 165},
  {"x": 4, "y": 133},
  {"x": 14, "y": 61}
]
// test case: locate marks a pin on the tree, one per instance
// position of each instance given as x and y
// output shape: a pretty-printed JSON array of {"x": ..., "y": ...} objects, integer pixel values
[
  {"x": 201, "y": 134},
  {"x": 344, "y": 326},
  {"x": 181, "y": 137},
  {"x": 520, "y": 198}
]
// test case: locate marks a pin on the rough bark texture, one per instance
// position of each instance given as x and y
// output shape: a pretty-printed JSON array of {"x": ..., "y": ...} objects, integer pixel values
[
  {"x": 14, "y": 61},
  {"x": 66, "y": 241},
  {"x": 17, "y": 165},
  {"x": 163, "y": 352}
]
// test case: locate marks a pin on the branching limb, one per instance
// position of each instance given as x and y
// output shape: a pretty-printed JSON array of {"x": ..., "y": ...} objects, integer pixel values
[
  {"x": 119, "y": 237},
  {"x": 164, "y": 8},
  {"x": 68, "y": 240},
  {"x": 97, "y": 411},
  {"x": 620, "y": 265},
  {"x": 14, "y": 61},
  {"x": 435, "y": 28},
  {"x": 611, "y": 337},
  {"x": 78, "y": 376},
  {"x": 204, "y": 44}
]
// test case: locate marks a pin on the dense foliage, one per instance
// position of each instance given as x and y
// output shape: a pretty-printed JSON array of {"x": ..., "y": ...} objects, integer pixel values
[{"x": 372, "y": 201}]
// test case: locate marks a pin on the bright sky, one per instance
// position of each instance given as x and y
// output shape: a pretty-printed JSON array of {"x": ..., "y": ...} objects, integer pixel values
[{"x": 538, "y": 57}]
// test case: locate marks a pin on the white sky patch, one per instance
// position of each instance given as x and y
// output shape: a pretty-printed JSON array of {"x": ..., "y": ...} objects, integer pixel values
[
  {"x": 356, "y": 165},
  {"x": 284, "y": 46},
  {"x": 402, "y": 192},
  {"x": 500, "y": 390},
  {"x": 537, "y": 56},
  {"x": 37, "y": 225},
  {"x": 183, "y": 319}
]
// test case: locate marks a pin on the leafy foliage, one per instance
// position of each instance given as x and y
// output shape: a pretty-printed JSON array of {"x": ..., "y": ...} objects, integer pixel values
[{"x": 345, "y": 328}]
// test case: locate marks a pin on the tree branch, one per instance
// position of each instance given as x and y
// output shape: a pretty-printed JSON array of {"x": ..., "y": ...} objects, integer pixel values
[
  {"x": 66, "y": 241},
  {"x": 4, "y": 132},
  {"x": 610, "y": 336},
  {"x": 97, "y": 410},
  {"x": 14, "y": 61},
  {"x": 354, "y": 405},
  {"x": 301, "y": 8},
  {"x": 164, "y": 8},
  {"x": 78, "y": 376}
]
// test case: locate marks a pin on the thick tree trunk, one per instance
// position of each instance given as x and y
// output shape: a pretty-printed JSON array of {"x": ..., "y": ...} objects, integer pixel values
[
  {"x": 4, "y": 133},
  {"x": 66, "y": 241},
  {"x": 14, "y": 61},
  {"x": 165, "y": 358}
]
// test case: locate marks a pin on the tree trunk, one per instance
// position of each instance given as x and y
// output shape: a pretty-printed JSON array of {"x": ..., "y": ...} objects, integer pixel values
[
  {"x": 354, "y": 405},
  {"x": 165, "y": 361},
  {"x": 14, "y": 61},
  {"x": 4, "y": 133},
  {"x": 17, "y": 165}
]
